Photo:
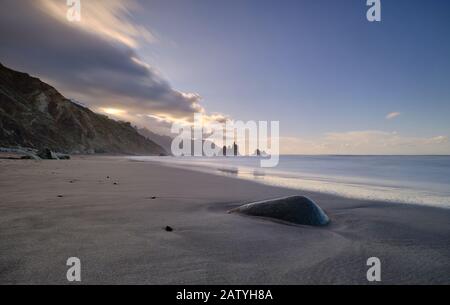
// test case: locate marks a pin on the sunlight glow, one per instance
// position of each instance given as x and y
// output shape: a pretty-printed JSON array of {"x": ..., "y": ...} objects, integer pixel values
[{"x": 113, "y": 111}]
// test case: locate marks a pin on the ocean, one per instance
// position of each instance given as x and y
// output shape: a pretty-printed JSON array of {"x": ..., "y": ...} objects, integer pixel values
[{"x": 421, "y": 180}]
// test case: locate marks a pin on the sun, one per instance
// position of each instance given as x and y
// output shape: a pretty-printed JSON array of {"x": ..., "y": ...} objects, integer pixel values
[{"x": 113, "y": 111}]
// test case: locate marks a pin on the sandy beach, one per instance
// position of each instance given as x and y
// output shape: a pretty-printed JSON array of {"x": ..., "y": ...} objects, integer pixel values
[{"x": 111, "y": 213}]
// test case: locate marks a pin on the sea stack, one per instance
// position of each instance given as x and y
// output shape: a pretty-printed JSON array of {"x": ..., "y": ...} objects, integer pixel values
[{"x": 295, "y": 209}]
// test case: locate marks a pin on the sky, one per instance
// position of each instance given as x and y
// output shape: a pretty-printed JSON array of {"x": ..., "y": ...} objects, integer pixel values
[{"x": 337, "y": 83}]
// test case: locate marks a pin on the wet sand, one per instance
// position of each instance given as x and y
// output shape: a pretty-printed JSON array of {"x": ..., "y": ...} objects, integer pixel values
[{"x": 53, "y": 210}]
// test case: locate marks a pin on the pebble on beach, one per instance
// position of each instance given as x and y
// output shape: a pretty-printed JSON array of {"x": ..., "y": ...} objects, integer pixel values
[{"x": 168, "y": 229}]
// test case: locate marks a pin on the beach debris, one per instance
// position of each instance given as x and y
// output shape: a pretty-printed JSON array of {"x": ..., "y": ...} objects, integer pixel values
[
  {"x": 11, "y": 158},
  {"x": 115, "y": 183},
  {"x": 28, "y": 152},
  {"x": 168, "y": 228},
  {"x": 294, "y": 209},
  {"x": 60, "y": 196},
  {"x": 153, "y": 197},
  {"x": 63, "y": 156},
  {"x": 107, "y": 177},
  {"x": 48, "y": 154}
]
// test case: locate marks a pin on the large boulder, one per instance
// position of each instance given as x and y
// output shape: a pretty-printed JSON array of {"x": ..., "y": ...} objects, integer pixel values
[{"x": 295, "y": 209}]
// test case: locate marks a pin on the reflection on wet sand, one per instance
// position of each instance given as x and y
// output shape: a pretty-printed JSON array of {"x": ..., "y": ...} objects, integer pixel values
[{"x": 230, "y": 170}]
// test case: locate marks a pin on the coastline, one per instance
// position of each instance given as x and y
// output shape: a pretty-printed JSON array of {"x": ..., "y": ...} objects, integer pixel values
[
  {"x": 312, "y": 174},
  {"x": 117, "y": 230}
]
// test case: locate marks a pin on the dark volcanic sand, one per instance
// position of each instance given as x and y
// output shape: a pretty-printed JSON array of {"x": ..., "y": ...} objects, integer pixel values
[{"x": 118, "y": 230}]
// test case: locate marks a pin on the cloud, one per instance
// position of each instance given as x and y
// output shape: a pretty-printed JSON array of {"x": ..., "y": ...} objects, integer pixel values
[
  {"x": 392, "y": 115},
  {"x": 367, "y": 142},
  {"x": 95, "y": 61},
  {"x": 105, "y": 18}
]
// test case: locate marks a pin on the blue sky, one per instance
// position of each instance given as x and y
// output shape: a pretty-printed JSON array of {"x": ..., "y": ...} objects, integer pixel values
[{"x": 318, "y": 66}]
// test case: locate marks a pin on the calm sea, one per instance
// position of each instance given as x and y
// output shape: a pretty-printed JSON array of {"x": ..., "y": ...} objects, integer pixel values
[{"x": 405, "y": 179}]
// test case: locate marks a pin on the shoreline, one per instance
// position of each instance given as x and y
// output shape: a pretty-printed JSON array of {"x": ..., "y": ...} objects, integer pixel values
[
  {"x": 231, "y": 174},
  {"x": 117, "y": 230},
  {"x": 344, "y": 187}
]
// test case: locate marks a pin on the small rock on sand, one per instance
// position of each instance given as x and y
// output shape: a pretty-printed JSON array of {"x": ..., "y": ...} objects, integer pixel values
[{"x": 168, "y": 229}]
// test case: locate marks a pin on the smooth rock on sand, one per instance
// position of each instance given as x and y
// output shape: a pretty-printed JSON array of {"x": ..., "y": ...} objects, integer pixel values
[{"x": 295, "y": 209}]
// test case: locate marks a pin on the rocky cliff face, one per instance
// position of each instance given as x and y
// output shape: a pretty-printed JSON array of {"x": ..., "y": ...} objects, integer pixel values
[
  {"x": 34, "y": 114},
  {"x": 164, "y": 141}
]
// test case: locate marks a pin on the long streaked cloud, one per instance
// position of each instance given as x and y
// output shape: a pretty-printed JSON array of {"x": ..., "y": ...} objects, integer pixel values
[
  {"x": 108, "y": 19},
  {"x": 95, "y": 61}
]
